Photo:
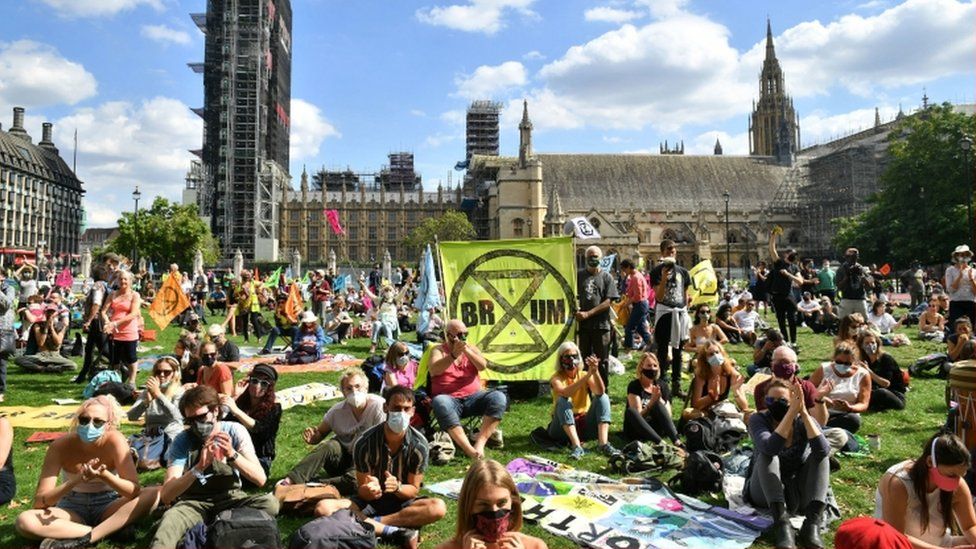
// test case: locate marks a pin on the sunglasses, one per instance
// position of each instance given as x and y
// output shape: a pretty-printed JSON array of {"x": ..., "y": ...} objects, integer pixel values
[
  {"x": 163, "y": 373},
  {"x": 85, "y": 420},
  {"x": 199, "y": 417},
  {"x": 259, "y": 382},
  {"x": 210, "y": 355}
]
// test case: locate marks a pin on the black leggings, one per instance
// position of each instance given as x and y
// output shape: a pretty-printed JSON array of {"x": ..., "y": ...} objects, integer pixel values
[
  {"x": 649, "y": 429},
  {"x": 851, "y": 421},
  {"x": 785, "y": 316},
  {"x": 886, "y": 399},
  {"x": 665, "y": 354}
]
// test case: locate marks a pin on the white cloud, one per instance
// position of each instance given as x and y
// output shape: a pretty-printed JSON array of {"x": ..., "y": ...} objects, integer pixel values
[
  {"x": 165, "y": 35},
  {"x": 704, "y": 143},
  {"x": 455, "y": 117},
  {"x": 663, "y": 8},
  {"x": 484, "y": 16},
  {"x": 308, "y": 129},
  {"x": 606, "y": 14},
  {"x": 534, "y": 55},
  {"x": 614, "y": 139},
  {"x": 418, "y": 113},
  {"x": 34, "y": 74},
  {"x": 99, "y": 8},
  {"x": 819, "y": 126},
  {"x": 488, "y": 81},
  {"x": 546, "y": 111}
]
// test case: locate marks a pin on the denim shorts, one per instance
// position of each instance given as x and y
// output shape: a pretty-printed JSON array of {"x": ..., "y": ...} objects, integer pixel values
[{"x": 88, "y": 506}]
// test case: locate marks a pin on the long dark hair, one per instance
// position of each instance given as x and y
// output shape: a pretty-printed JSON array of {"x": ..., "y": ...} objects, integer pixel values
[
  {"x": 265, "y": 404},
  {"x": 949, "y": 450}
]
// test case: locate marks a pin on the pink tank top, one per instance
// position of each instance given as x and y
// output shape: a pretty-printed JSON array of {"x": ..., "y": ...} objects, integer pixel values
[
  {"x": 459, "y": 380},
  {"x": 128, "y": 330}
]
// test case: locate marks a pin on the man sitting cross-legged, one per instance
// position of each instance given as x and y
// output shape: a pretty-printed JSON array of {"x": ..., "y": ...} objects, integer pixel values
[{"x": 390, "y": 462}]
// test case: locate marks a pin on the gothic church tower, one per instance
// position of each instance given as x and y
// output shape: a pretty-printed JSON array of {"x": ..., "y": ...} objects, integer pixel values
[{"x": 774, "y": 128}]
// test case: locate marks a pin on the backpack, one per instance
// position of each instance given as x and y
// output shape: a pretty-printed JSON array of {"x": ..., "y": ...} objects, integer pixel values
[
  {"x": 646, "y": 458},
  {"x": 341, "y": 530},
  {"x": 124, "y": 393},
  {"x": 713, "y": 435},
  {"x": 939, "y": 362},
  {"x": 703, "y": 473},
  {"x": 374, "y": 366},
  {"x": 101, "y": 378},
  {"x": 243, "y": 527}
]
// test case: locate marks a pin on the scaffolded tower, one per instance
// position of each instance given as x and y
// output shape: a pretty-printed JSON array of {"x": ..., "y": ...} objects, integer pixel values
[
  {"x": 247, "y": 105},
  {"x": 400, "y": 173},
  {"x": 482, "y": 128}
]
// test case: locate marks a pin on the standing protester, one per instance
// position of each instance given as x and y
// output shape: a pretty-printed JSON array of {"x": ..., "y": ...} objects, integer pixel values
[
  {"x": 93, "y": 325},
  {"x": 782, "y": 277},
  {"x": 596, "y": 290},
  {"x": 826, "y": 286},
  {"x": 121, "y": 314},
  {"x": 635, "y": 296},
  {"x": 960, "y": 281},
  {"x": 671, "y": 322},
  {"x": 249, "y": 305},
  {"x": 853, "y": 281},
  {"x": 8, "y": 338}
]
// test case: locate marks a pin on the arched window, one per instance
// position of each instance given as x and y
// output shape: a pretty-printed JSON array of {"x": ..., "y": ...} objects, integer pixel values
[{"x": 518, "y": 227}]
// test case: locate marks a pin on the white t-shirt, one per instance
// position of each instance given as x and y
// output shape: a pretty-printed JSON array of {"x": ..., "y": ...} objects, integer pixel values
[
  {"x": 346, "y": 427},
  {"x": 746, "y": 320},
  {"x": 845, "y": 387},
  {"x": 807, "y": 306},
  {"x": 884, "y": 322},
  {"x": 965, "y": 290}
]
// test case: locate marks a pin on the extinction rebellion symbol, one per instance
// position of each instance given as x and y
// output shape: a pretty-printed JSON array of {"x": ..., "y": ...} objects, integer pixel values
[{"x": 487, "y": 311}]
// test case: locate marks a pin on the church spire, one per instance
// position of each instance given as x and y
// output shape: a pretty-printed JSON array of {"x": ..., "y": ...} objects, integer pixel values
[
  {"x": 718, "y": 147},
  {"x": 877, "y": 117},
  {"x": 525, "y": 136},
  {"x": 770, "y": 50},
  {"x": 774, "y": 129}
]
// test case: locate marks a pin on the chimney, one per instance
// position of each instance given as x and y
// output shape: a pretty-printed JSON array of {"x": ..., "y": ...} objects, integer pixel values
[
  {"x": 18, "y": 127},
  {"x": 46, "y": 142}
]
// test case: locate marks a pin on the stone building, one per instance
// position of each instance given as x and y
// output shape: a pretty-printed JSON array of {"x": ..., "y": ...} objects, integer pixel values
[
  {"x": 774, "y": 128},
  {"x": 40, "y": 193}
]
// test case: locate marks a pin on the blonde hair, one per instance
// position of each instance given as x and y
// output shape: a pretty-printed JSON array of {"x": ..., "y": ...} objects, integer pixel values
[
  {"x": 702, "y": 369},
  {"x": 176, "y": 378},
  {"x": 113, "y": 412},
  {"x": 846, "y": 347},
  {"x": 350, "y": 373},
  {"x": 485, "y": 472},
  {"x": 563, "y": 347},
  {"x": 647, "y": 357}
]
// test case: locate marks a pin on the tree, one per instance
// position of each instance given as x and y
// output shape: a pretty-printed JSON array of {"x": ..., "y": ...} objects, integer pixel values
[
  {"x": 453, "y": 225},
  {"x": 919, "y": 211},
  {"x": 166, "y": 233}
]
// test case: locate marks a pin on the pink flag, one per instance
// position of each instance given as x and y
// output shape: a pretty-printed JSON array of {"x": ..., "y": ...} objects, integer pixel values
[
  {"x": 333, "y": 217},
  {"x": 64, "y": 279}
]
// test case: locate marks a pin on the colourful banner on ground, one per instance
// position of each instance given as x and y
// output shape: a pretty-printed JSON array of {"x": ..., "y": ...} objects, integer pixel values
[
  {"x": 517, "y": 298},
  {"x": 704, "y": 284},
  {"x": 170, "y": 301}
]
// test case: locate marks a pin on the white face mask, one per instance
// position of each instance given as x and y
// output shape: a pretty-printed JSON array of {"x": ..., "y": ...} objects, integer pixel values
[
  {"x": 871, "y": 348},
  {"x": 356, "y": 399},
  {"x": 403, "y": 360},
  {"x": 398, "y": 421},
  {"x": 716, "y": 360}
]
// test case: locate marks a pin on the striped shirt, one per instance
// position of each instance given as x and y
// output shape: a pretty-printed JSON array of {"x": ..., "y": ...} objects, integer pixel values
[{"x": 371, "y": 455}]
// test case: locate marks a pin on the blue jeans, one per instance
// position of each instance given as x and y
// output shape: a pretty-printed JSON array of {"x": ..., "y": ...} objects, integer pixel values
[
  {"x": 277, "y": 332},
  {"x": 598, "y": 413},
  {"x": 638, "y": 314},
  {"x": 450, "y": 410}
]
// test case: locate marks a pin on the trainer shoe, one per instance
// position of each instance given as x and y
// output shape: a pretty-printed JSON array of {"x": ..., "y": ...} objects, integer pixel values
[
  {"x": 608, "y": 450},
  {"x": 577, "y": 453},
  {"x": 407, "y": 538},
  {"x": 70, "y": 543},
  {"x": 496, "y": 440}
]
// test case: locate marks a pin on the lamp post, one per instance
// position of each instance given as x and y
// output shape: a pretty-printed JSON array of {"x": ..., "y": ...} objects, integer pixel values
[
  {"x": 728, "y": 243},
  {"x": 38, "y": 256},
  {"x": 135, "y": 225},
  {"x": 966, "y": 144}
]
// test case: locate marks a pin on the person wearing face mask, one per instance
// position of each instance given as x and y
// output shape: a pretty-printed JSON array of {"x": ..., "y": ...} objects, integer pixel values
[
  {"x": 330, "y": 461},
  {"x": 959, "y": 345},
  {"x": 207, "y": 462},
  {"x": 390, "y": 461},
  {"x": 401, "y": 368},
  {"x": 256, "y": 409},
  {"x": 596, "y": 290},
  {"x": 923, "y": 498},
  {"x": 746, "y": 321},
  {"x": 386, "y": 305},
  {"x": 489, "y": 511},
  {"x": 578, "y": 394},
  {"x": 213, "y": 373},
  {"x": 99, "y": 493},
  {"x": 671, "y": 323},
  {"x": 715, "y": 378},
  {"x": 704, "y": 329},
  {"x": 784, "y": 366},
  {"x": 887, "y": 379},
  {"x": 227, "y": 350},
  {"x": 636, "y": 297},
  {"x": 851, "y": 392},
  {"x": 159, "y": 403},
  {"x": 960, "y": 281},
  {"x": 853, "y": 283},
  {"x": 790, "y": 472},
  {"x": 783, "y": 276},
  {"x": 648, "y": 413}
]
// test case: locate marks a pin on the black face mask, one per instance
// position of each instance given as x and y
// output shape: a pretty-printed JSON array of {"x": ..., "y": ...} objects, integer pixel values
[
  {"x": 778, "y": 408},
  {"x": 207, "y": 360},
  {"x": 791, "y": 258},
  {"x": 649, "y": 374},
  {"x": 202, "y": 429},
  {"x": 593, "y": 261}
]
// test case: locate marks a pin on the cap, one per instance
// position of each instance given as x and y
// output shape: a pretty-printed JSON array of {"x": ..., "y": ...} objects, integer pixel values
[
  {"x": 194, "y": 317},
  {"x": 308, "y": 317},
  {"x": 265, "y": 371},
  {"x": 862, "y": 532},
  {"x": 962, "y": 250},
  {"x": 215, "y": 330}
]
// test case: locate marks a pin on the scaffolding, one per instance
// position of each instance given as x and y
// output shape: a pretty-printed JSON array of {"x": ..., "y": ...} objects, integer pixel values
[
  {"x": 399, "y": 173},
  {"x": 482, "y": 128}
]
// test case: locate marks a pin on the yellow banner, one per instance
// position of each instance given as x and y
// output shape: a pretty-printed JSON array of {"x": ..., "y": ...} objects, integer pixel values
[
  {"x": 517, "y": 298},
  {"x": 170, "y": 301},
  {"x": 704, "y": 284}
]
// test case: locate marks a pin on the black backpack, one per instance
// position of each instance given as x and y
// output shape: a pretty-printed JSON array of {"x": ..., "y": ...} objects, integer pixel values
[
  {"x": 703, "y": 473},
  {"x": 341, "y": 530},
  {"x": 702, "y": 434},
  {"x": 243, "y": 527},
  {"x": 373, "y": 367},
  {"x": 646, "y": 458}
]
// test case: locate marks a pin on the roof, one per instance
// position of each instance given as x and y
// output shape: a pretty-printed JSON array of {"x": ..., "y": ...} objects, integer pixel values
[{"x": 36, "y": 160}]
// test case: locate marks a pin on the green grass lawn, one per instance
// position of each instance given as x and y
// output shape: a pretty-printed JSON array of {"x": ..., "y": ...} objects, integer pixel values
[{"x": 902, "y": 434}]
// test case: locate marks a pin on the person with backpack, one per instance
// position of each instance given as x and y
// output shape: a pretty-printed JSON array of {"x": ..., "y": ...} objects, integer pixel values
[
  {"x": 579, "y": 396},
  {"x": 790, "y": 471},
  {"x": 648, "y": 413}
]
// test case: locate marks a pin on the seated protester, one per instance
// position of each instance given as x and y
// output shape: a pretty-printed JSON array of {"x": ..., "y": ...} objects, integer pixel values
[
  {"x": 338, "y": 322},
  {"x": 790, "y": 471},
  {"x": 187, "y": 352},
  {"x": 931, "y": 323},
  {"x": 99, "y": 493},
  {"x": 926, "y": 497},
  {"x": 828, "y": 318},
  {"x": 648, "y": 413},
  {"x": 390, "y": 460},
  {"x": 785, "y": 367},
  {"x": 227, "y": 350},
  {"x": 159, "y": 403},
  {"x": 457, "y": 391},
  {"x": 579, "y": 394},
  {"x": 489, "y": 511},
  {"x": 49, "y": 334},
  {"x": 217, "y": 301},
  {"x": 213, "y": 373},
  {"x": 715, "y": 378},
  {"x": 193, "y": 325},
  {"x": 8, "y": 482},
  {"x": 887, "y": 379},
  {"x": 762, "y": 351},
  {"x": 255, "y": 408},
  {"x": 703, "y": 330},
  {"x": 851, "y": 392},
  {"x": 283, "y": 325},
  {"x": 960, "y": 344},
  {"x": 401, "y": 368},
  {"x": 881, "y": 320},
  {"x": 206, "y": 465},
  {"x": 809, "y": 310},
  {"x": 348, "y": 419},
  {"x": 434, "y": 330},
  {"x": 746, "y": 322},
  {"x": 308, "y": 341},
  {"x": 849, "y": 327}
]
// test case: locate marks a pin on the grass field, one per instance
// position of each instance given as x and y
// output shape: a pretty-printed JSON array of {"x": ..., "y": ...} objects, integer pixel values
[{"x": 902, "y": 434}]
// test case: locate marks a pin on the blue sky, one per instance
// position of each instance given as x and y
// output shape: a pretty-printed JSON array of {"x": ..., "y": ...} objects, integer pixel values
[{"x": 375, "y": 76}]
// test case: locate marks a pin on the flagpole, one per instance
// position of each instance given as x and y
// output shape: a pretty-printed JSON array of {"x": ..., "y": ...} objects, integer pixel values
[{"x": 440, "y": 267}]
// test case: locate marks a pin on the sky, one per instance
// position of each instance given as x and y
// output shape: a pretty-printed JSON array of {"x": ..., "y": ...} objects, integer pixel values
[{"x": 370, "y": 77}]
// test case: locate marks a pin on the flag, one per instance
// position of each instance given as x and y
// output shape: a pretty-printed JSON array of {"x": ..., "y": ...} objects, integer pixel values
[
  {"x": 294, "y": 305},
  {"x": 517, "y": 298},
  {"x": 152, "y": 269},
  {"x": 288, "y": 274},
  {"x": 582, "y": 228},
  {"x": 273, "y": 279},
  {"x": 704, "y": 284},
  {"x": 340, "y": 283},
  {"x": 170, "y": 301},
  {"x": 885, "y": 269},
  {"x": 606, "y": 262},
  {"x": 305, "y": 279},
  {"x": 428, "y": 294},
  {"x": 333, "y": 217},
  {"x": 64, "y": 279}
]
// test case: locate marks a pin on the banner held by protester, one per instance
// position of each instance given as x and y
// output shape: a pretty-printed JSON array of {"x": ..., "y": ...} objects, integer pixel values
[
  {"x": 704, "y": 284},
  {"x": 169, "y": 303}
]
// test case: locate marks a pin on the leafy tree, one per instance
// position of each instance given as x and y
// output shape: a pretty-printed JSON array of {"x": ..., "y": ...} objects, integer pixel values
[
  {"x": 453, "y": 225},
  {"x": 919, "y": 211},
  {"x": 166, "y": 233}
]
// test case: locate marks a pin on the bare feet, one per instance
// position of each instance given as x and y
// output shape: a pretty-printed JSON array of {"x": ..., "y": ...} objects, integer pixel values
[{"x": 326, "y": 507}]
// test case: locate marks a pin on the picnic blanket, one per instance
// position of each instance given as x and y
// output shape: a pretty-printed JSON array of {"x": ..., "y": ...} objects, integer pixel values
[
  {"x": 328, "y": 363},
  {"x": 306, "y": 394},
  {"x": 45, "y": 417}
]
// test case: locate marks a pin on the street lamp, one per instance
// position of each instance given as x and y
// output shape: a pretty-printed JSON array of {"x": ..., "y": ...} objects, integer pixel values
[
  {"x": 728, "y": 243},
  {"x": 38, "y": 256},
  {"x": 135, "y": 225},
  {"x": 966, "y": 144}
]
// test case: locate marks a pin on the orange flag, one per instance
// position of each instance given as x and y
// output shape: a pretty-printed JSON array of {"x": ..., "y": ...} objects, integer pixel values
[
  {"x": 294, "y": 305},
  {"x": 885, "y": 269},
  {"x": 170, "y": 301}
]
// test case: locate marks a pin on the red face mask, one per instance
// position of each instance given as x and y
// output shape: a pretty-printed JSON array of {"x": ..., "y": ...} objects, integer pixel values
[
  {"x": 492, "y": 525},
  {"x": 942, "y": 482}
]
